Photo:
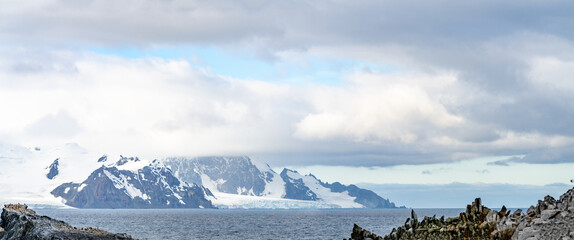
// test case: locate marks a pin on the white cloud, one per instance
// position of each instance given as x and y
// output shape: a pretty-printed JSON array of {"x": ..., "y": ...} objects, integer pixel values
[
  {"x": 440, "y": 90},
  {"x": 157, "y": 107},
  {"x": 551, "y": 73},
  {"x": 377, "y": 107},
  {"x": 145, "y": 106},
  {"x": 55, "y": 126}
]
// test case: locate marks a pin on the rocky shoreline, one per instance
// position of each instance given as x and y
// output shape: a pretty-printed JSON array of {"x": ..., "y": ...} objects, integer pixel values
[
  {"x": 549, "y": 219},
  {"x": 19, "y": 222}
]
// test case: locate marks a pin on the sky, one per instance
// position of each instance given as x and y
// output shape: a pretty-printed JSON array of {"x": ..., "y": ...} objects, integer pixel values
[{"x": 374, "y": 92}]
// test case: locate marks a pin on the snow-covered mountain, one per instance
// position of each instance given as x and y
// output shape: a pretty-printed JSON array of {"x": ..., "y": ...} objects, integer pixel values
[
  {"x": 258, "y": 186},
  {"x": 133, "y": 183},
  {"x": 28, "y": 175},
  {"x": 79, "y": 178},
  {"x": 69, "y": 175},
  {"x": 235, "y": 175}
]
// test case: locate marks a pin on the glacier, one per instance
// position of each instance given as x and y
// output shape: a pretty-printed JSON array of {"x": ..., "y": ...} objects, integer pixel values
[{"x": 256, "y": 185}]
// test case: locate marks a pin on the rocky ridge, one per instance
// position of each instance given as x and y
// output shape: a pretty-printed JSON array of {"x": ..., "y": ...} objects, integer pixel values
[
  {"x": 242, "y": 176},
  {"x": 238, "y": 175},
  {"x": 151, "y": 186},
  {"x": 549, "y": 219},
  {"x": 19, "y": 222}
]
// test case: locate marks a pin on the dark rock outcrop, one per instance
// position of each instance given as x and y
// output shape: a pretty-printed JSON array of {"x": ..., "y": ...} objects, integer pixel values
[
  {"x": 19, "y": 222},
  {"x": 53, "y": 169},
  {"x": 295, "y": 188},
  {"x": 549, "y": 219},
  {"x": 123, "y": 160},
  {"x": 103, "y": 158},
  {"x": 360, "y": 233}
]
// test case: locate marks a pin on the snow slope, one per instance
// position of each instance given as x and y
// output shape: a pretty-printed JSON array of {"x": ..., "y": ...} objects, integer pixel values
[
  {"x": 325, "y": 195},
  {"x": 23, "y": 171}
]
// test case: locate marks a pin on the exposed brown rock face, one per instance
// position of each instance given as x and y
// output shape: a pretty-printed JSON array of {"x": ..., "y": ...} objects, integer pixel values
[
  {"x": 549, "y": 219},
  {"x": 19, "y": 222}
]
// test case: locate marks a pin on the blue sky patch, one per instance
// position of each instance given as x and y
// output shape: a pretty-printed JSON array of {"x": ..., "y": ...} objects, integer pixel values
[{"x": 312, "y": 70}]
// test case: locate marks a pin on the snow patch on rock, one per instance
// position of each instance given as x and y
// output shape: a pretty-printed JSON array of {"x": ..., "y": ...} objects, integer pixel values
[{"x": 122, "y": 182}]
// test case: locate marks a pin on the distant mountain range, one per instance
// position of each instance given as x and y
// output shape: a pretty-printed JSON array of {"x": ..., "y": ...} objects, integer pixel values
[
  {"x": 70, "y": 175},
  {"x": 239, "y": 175}
]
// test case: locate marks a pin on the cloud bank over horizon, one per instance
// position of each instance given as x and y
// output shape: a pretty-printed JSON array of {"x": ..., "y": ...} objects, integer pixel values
[{"x": 367, "y": 83}]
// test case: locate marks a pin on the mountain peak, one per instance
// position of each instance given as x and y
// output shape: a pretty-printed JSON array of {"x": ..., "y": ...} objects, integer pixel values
[
  {"x": 127, "y": 163},
  {"x": 123, "y": 160},
  {"x": 152, "y": 185}
]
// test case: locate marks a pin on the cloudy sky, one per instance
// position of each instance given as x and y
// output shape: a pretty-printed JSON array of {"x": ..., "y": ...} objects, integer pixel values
[{"x": 398, "y": 92}]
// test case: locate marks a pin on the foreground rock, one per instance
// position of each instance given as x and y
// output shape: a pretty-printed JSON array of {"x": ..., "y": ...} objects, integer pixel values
[
  {"x": 549, "y": 219},
  {"x": 19, "y": 222},
  {"x": 477, "y": 222}
]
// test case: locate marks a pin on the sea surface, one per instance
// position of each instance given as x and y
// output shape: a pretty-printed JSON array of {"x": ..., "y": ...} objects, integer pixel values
[{"x": 240, "y": 224}]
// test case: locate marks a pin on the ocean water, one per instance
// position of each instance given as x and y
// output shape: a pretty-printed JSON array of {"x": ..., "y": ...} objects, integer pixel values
[{"x": 240, "y": 224}]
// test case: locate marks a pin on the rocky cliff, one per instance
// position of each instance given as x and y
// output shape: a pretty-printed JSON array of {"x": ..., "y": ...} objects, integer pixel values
[
  {"x": 549, "y": 219},
  {"x": 237, "y": 175},
  {"x": 19, "y": 222}
]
